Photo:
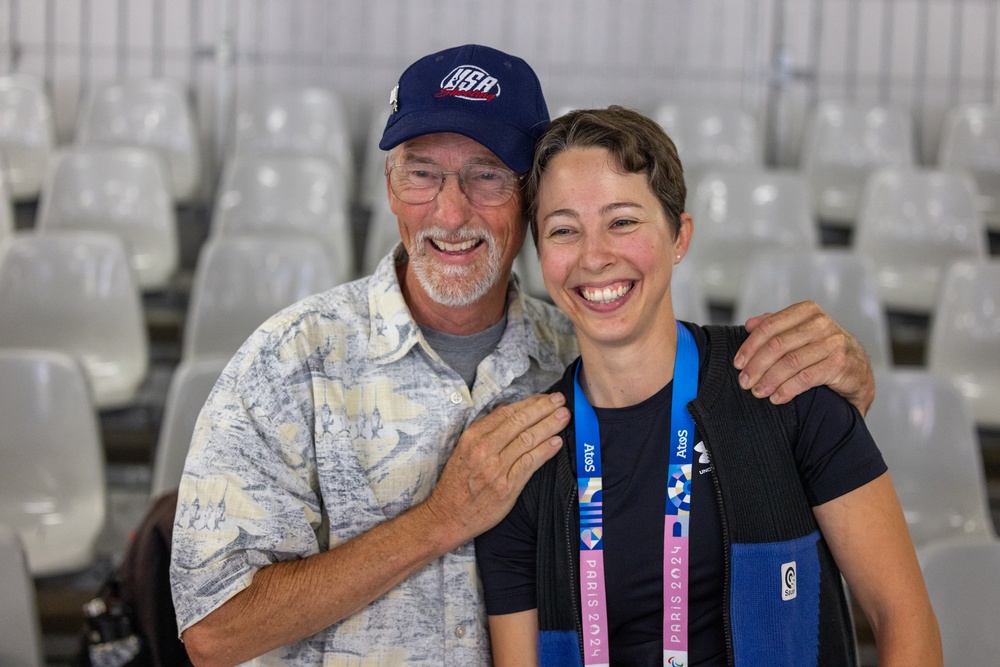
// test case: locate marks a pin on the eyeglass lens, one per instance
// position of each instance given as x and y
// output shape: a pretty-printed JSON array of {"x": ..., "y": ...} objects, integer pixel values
[{"x": 483, "y": 184}]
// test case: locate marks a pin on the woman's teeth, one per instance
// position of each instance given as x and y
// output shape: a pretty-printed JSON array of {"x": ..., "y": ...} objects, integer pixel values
[{"x": 605, "y": 295}]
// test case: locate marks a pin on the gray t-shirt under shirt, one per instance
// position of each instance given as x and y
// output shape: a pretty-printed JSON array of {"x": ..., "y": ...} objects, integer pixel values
[{"x": 463, "y": 353}]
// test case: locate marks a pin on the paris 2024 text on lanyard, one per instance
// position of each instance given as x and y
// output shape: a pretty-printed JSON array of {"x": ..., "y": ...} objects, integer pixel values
[{"x": 676, "y": 523}]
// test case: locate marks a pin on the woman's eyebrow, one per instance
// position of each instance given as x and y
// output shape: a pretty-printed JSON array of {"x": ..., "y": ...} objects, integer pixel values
[{"x": 614, "y": 206}]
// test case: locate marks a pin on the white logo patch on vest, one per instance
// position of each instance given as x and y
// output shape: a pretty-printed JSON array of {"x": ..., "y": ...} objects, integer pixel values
[
  {"x": 468, "y": 82},
  {"x": 788, "y": 581}
]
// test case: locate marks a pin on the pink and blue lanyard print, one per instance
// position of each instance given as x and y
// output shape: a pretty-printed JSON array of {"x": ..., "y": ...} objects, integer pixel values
[{"x": 676, "y": 522}]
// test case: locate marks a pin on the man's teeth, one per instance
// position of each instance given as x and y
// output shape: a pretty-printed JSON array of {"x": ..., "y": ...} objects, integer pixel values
[
  {"x": 607, "y": 294},
  {"x": 455, "y": 247}
]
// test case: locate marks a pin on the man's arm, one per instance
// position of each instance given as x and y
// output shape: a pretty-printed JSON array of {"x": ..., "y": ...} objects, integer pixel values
[
  {"x": 801, "y": 347},
  {"x": 292, "y": 600}
]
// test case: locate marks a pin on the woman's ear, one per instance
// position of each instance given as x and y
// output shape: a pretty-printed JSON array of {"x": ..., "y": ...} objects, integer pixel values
[{"x": 683, "y": 239}]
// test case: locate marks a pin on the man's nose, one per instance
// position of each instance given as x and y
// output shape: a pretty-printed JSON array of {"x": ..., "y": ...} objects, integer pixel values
[{"x": 453, "y": 205}]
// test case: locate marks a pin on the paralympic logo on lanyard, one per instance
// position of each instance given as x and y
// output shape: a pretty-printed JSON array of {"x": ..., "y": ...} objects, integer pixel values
[{"x": 677, "y": 514}]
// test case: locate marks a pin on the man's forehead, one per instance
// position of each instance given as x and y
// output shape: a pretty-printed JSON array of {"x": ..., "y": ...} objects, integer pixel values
[{"x": 446, "y": 142}]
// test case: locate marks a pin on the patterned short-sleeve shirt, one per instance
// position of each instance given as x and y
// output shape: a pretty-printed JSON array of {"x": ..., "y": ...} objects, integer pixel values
[{"x": 334, "y": 416}]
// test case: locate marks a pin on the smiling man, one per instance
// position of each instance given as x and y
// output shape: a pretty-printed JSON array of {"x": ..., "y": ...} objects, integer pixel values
[{"x": 361, "y": 438}]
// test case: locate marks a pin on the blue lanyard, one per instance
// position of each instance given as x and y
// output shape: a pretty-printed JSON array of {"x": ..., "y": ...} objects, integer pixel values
[{"x": 677, "y": 514}]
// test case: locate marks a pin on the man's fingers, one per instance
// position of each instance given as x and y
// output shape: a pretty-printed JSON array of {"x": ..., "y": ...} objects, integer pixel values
[
  {"x": 781, "y": 334},
  {"x": 803, "y": 367},
  {"x": 507, "y": 421},
  {"x": 809, "y": 366},
  {"x": 534, "y": 446},
  {"x": 753, "y": 322}
]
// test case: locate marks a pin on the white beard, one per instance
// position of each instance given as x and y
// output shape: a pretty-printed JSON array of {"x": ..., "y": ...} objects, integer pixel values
[{"x": 451, "y": 285}]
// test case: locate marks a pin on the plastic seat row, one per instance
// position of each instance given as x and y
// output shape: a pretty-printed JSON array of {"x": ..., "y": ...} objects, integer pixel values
[
  {"x": 913, "y": 223},
  {"x": 843, "y": 144},
  {"x": 964, "y": 337},
  {"x": 158, "y": 114},
  {"x": 846, "y": 143}
]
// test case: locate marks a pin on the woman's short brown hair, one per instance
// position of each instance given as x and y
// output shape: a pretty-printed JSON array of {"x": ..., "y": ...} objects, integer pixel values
[{"x": 635, "y": 143}]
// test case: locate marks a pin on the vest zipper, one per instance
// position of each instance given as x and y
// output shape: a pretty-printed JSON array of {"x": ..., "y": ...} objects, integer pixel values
[
  {"x": 577, "y": 613},
  {"x": 726, "y": 548}
]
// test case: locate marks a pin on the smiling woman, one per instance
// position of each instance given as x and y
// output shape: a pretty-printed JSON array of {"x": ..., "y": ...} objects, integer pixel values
[
  {"x": 664, "y": 538},
  {"x": 602, "y": 240}
]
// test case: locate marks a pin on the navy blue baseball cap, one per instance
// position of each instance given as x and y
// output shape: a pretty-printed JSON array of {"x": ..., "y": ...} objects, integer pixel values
[{"x": 474, "y": 90}]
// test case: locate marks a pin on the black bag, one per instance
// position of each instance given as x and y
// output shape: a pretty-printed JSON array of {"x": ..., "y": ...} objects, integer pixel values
[{"x": 131, "y": 622}]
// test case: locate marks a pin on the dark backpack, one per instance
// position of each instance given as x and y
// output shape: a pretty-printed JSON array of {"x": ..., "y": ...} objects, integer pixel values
[{"x": 131, "y": 622}]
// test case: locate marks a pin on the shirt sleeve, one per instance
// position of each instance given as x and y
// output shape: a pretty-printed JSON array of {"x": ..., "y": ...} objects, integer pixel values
[
  {"x": 507, "y": 557},
  {"x": 836, "y": 453},
  {"x": 248, "y": 496}
]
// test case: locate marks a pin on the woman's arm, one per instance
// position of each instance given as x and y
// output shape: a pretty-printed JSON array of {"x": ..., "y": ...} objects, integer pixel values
[
  {"x": 515, "y": 639},
  {"x": 869, "y": 539}
]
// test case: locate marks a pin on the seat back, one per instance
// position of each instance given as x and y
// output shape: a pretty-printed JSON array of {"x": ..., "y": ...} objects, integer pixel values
[
  {"x": 74, "y": 292},
  {"x": 308, "y": 120},
  {"x": 929, "y": 441},
  {"x": 963, "y": 580},
  {"x": 970, "y": 140},
  {"x": 372, "y": 190},
  {"x": 527, "y": 267},
  {"x": 240, "y": 281},
  {"x": 27, "y": 134},
  {"x": 912, "y": 225},
  {"x": 711, "y": 135},
  {"x": 189, "y": 388},
  {"x": 738, "y": 213},
  {"x": 839, "y": 281},
  {"x": 382, "y": 235},
  {"x": 844, "y": 143},
  {"x": 21, "y": 639},
  {"x": 287, "y": 193},
  {"x": 122, "y": 190},
  {"x": 687, "y": 292},
  {"x": 153, "y": 113},
  {"x": 964, "y": 340},
  {"x": 52, "y": 479}
]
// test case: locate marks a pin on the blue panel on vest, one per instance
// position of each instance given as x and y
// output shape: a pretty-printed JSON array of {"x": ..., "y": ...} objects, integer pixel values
[
  {"x": 559, "y": 648},
  {"x": 775, "y": 602}
]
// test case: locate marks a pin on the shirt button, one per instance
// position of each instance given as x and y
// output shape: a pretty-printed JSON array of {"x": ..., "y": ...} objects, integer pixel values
[
  {"x": 460, "y": 631},
  {"x": 456, "y": 398}
]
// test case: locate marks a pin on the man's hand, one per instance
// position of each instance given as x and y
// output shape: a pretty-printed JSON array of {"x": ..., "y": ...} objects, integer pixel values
[
  {"x": 801, "y": 347},
  {"x": 492, "y": 462}
]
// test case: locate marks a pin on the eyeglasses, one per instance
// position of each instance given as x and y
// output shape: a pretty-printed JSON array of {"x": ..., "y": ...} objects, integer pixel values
[{"x": 483, "y": 184}]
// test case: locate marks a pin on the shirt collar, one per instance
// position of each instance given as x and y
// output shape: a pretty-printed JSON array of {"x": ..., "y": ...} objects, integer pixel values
[{"x": 394, "y": 332}]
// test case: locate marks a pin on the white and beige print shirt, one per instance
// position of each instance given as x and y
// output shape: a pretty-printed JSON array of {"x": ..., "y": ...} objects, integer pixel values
[{"x": 333, "y": 417}]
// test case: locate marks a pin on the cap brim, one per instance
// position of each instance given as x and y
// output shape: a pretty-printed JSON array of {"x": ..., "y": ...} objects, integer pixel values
[{"x": 514, "y": 148}]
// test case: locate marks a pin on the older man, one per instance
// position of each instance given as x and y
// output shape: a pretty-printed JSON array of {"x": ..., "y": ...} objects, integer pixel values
[{"x": 361, "y": 438}]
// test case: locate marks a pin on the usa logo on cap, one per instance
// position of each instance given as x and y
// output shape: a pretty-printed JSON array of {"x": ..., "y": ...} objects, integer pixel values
[{"x": 469, "y": 82}]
